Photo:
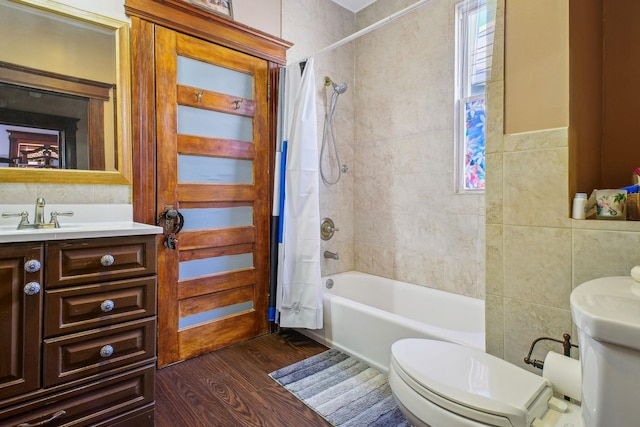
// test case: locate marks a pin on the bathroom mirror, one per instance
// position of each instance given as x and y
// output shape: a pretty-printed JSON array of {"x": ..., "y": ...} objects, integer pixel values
[{"x": 64, "y": 95}]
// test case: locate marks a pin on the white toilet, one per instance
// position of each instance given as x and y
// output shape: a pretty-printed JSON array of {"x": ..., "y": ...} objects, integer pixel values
[{"x": 441, "y": 384}]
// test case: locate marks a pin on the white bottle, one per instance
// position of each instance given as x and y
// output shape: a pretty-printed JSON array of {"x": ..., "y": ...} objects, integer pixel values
[{"x": 579, "y": 206}]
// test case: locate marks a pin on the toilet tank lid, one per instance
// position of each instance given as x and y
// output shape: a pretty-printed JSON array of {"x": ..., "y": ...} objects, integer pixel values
[
  {"x": 608, "y": 310},
  {"x": 472, "y": 378}
]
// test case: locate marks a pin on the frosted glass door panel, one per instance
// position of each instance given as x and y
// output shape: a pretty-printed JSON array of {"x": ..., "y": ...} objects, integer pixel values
[
  {"x": 214, "y": 314},
  {"x": 213, "y": 78},
  {"x": 202, "y": 267},
  {"x": 213, "y": 124},
  {"x": 203, "y": 218},
  {"x": 214, "y": 170}
]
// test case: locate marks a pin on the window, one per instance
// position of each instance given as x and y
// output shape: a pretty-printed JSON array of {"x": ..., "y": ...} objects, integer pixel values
[{"x": 474, "y": 48}]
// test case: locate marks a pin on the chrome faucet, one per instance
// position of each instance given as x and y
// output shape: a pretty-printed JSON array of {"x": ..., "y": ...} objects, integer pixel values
[
  {"x": 38, "y": 221},
  {"x": 331, "y": 255}
]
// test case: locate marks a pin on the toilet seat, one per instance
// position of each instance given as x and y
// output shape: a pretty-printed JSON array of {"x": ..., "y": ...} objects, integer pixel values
[{"x": 470, "y": 383}]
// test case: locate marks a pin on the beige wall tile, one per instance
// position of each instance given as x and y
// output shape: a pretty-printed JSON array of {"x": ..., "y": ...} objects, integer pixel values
[
  {"x": 461, "y": 277},
  {"x": 420, "y": 268},
  {"x": 420, "y": 231},
  {"x": 372, "y": 193},
  {"x": 494, "y": 194},
  {"x": 495, "y": 117},
  {"x": 362, "y": 257},
  {"x": 494, "y": 325},
  {"x": 600, "y": 253},
  {"x": 537, "y": 265},
  {"x": 374, "y": 158},
  {"x": 538, "y": 140},
  {"x": 382, "y": 261},
  {"x": 17, "y": 193},
  {"x": 482, "y": 257},
  {"x": 464, "y": 236},
  {"x": 494, "y": 260},
  {"x": 112, "y": 194},
  {"x": 537, "y": 193},
  {"x": 524, "y": 322}
]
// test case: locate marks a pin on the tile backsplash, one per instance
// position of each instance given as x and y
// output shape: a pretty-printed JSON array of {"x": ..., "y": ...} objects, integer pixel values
[{"x": 21, "y": 193}]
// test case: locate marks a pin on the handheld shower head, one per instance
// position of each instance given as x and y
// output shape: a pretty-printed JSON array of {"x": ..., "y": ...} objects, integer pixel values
[{"x": 338, "y": 88}]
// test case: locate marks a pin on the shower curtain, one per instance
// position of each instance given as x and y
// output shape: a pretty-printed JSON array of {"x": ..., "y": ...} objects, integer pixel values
[{"x": 299, "y": 293}]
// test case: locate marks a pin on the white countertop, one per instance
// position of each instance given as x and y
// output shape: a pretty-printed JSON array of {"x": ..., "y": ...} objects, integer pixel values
[{"x": 88, "y": 221}]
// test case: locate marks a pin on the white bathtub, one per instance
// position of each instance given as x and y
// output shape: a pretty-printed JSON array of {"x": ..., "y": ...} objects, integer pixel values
[{"x": 365, "y": 314}]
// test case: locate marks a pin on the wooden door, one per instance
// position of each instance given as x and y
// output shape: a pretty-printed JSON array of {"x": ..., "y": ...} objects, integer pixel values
[
  {"x": 21, "y": 318},
  {"x": 212, "y": 134}
]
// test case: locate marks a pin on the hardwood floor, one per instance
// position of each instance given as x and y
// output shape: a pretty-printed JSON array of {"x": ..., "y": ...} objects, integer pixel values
[{"x": 231, "y": 387}]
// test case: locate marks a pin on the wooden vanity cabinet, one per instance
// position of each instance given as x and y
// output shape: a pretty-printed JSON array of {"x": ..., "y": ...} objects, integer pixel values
[
  {"x": 81, "y": 351},
  {"x": 21, "y": 320}
]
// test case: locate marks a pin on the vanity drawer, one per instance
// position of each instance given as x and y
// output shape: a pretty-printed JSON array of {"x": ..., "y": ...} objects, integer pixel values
[
  {"x": 79, "y": 355},
  {"x": 87, "y": 404},
  {"x": 74, "y": 262},
  {"x": 77, "y": 308}
]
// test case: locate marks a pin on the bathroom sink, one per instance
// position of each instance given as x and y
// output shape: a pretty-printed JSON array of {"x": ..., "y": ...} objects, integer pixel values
[
  {"x": 77, "y": 231},
  {"x": 608, "y": 310},
  {"x": 88, "y": 221}
]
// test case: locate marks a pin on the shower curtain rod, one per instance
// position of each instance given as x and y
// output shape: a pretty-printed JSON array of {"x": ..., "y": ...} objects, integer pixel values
[{"x": 362, "y": 32}]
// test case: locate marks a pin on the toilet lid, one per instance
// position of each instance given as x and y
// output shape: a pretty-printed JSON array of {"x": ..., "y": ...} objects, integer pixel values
[{"x": 471, "y": 381}]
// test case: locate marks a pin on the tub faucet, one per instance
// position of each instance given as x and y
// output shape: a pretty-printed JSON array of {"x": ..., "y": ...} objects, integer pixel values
[{"x": 331, "y": 255}]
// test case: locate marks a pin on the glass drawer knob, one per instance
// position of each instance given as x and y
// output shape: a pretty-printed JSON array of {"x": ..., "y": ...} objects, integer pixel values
[
  {"x": 107, "y": 305},
  {"x": 106, "y": 351},
  {"x": 107, "y": 260},
  {"x": 32, "y": 288},
  {"x": 32, "y": 266}
]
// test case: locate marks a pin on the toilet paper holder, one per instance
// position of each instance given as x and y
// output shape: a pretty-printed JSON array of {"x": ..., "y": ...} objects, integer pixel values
[{"x": 566, "y": 346}]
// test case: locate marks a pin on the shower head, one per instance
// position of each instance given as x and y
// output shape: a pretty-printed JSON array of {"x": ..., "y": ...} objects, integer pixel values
[{"x": 339, "y": 88}]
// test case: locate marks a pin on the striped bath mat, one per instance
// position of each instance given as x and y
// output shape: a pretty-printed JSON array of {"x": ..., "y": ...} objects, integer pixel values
[{"x": 345, "y": 391}]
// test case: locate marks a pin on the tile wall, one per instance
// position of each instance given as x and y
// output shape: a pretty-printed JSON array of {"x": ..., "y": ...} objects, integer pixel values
[
  {"x": 411, "y": 225},
  {"x": 396, "y": 209},
  {"x": 535, "y": 253}
]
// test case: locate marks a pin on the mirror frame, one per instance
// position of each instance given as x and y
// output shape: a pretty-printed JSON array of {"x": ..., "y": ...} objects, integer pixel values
[{"x": 123, "y": 175}]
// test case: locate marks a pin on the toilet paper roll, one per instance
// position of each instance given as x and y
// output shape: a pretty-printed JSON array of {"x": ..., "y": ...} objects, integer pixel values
[{"x": 564, "y": 373}]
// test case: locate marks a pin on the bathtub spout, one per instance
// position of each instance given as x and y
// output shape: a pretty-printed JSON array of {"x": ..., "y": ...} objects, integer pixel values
[{"x": 331, "y": 255}]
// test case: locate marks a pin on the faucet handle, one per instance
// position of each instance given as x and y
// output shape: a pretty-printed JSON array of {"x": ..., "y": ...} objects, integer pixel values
[
  {"x": 55, "y": 215},
  {"x": 327, "y": 228},
  {"x": 24, "y": 217}
]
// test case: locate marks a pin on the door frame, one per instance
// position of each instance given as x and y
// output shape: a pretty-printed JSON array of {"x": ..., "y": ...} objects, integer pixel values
[
  {"x": 191, "y": 20},
  {"x": 185, "y": 18}
]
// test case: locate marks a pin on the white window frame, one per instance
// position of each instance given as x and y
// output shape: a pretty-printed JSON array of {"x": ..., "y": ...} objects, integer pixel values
[{"x": 462, "y": 88}]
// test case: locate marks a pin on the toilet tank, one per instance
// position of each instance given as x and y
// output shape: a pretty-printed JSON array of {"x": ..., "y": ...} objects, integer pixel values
[{"x": 606, "y": 312}]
